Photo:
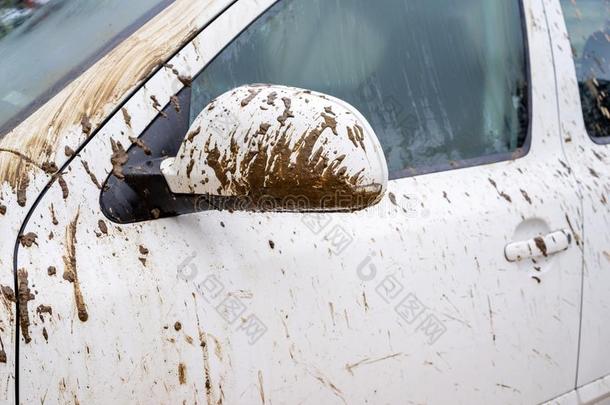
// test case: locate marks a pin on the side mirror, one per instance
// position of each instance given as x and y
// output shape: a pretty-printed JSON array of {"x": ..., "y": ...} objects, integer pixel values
[{"x": 277, "y": 148}]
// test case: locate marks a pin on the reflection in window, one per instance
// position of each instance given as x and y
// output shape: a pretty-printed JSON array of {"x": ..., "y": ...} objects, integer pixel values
[
  {"x": 588, "y": 23},
  {"x": 440, "y": 84}
]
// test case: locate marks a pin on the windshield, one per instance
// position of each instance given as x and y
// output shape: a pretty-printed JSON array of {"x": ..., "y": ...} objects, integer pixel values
[{"x": 46, "y": 43}]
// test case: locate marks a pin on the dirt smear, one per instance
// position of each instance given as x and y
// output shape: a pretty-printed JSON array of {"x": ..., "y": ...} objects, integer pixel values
[
  {"x": 182, "y": 373},
  {"x": 28, "y": 239},
  {"x": 91, "y": 175},
  {"x": 540, "y": 244},
  {"x": 296, "y": 167},
  {"x": 118, "y": 159},
  {"x": 70, "y": 268},
  {"x": 140, "y": 144},
  {"x": 24, "y": 295}
]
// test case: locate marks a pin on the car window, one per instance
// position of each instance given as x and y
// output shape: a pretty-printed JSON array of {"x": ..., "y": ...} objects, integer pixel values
[
  {"x": 588, "y": 23},
  {"x": 44, "y": 43},
  {"x": 442, "y": 84}
]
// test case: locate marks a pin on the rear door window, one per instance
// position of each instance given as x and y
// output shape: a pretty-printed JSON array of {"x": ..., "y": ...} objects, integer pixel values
[{"x": 588, "y": 23}]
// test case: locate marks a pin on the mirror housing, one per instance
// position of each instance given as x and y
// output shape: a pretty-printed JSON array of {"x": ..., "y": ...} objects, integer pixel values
[{"x": 277, "y": 148}]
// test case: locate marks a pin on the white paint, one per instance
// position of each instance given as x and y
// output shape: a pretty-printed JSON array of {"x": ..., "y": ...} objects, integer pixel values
[{"x": 488, "y": 331}]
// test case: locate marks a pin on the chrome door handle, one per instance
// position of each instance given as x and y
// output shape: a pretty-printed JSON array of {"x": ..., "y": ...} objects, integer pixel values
[{"x": 545, "y": 245}]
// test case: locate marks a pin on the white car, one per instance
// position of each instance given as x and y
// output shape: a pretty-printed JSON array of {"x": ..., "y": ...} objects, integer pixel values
[{"x": 413, "y": 207}]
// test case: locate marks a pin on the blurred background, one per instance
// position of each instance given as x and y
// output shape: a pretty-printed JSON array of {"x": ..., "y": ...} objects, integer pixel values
[
  {"x": 14, "y": 12},
  {"x": 44, "y": 44}
]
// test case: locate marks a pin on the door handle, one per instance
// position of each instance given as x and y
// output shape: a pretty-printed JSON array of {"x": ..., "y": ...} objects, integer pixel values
[{"x": 544, "y": 245}]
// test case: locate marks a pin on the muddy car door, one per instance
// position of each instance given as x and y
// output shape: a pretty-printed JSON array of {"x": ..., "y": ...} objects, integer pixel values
[
  {"x": 464, "y": 275},
  {"x": 581, "y": 49}
]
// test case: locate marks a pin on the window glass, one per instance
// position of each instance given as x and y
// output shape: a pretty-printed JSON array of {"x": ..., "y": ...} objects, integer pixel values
[
  {"x": 442, "y": 84},
  {"x": 588, "y": 23},
  {"x": 44, "y": 43}
]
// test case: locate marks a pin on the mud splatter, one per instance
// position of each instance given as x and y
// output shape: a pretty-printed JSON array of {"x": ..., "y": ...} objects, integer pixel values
[
  {"x": 91, "y": 175},
  {"x": 143, "y": 250},
  {"x": 193, "y": 134},
  {"x": 287, "y": 113},
  {"x": 272, "y": 244},
  {"x": 126, "y": 116},
  {"x": 271, "y": 98},
  {"x": 118, "y": 159},
  {"x": 526, "y": 196},
  {"x": 250, "y": 97},
  {"x": 140, "y": 144},
  {"x": 356, "y": 135},
  {"x": 186, "y": 81},
  {"x": 177, "y": 326},
  {"x": 541, "y": 245},
  {"x": 262, "y": 129},
  {"x": 22, "y": 187},
  {"x": 8, "y": 293},
  {"x": 53, "y": 217},
  {"x": 44, "y": 309},
  {"x": 68, "y": 151},
  {"x": 102, "y": 226},
  {"x": 28, "y": 239},
  {"x": 70, "y": 269},
  {"x": 182, "y": 373},
  {"x": 49, "y": 167},
  {"x": 64, "y": 187},
  {"x": 24, "y": 296},
  {"x": 86, "y": 125},
  {"x": 51, "y": 270},
  {"x": 2, "y": 352},
  {"x": 352, "y": 366},
  {"x": 189, "y": 168},
  {"x": 295, "y": 168},
  {"x": 156, "y": 104},
  {"x": 500, "y": 193},
  {"x": 176, "y": 103},
  {"x": 2, "y": 209}
]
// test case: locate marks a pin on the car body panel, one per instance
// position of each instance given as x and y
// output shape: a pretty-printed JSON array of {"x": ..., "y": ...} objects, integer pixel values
[
  {"x": 591, "y": 164},
  {"x": 133, "y": 318}
]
